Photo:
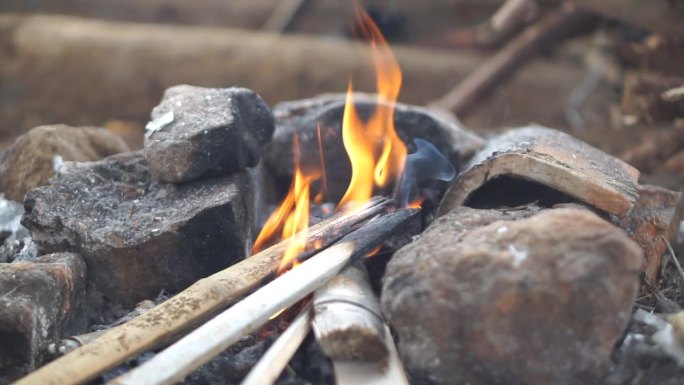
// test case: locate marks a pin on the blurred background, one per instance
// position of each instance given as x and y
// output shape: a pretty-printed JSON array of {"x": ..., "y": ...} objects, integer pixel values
[{"x": 598, "y": 71}]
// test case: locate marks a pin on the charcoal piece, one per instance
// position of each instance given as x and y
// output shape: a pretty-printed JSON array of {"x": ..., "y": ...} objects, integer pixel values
[
  {"x": 39, "y": 303},
  {"x": 138, "y": 236},
  {"x": 198, "y": 132},
  {"x": 326, "y": 111},
  {"x": 35, "y": 156},
  {"x": 539, "y": 300},
  {"x": 551, "y": 159}
]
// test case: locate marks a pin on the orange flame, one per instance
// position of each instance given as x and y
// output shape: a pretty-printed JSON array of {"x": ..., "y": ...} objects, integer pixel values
[
  {"x": 376, "y": 152},
  {"x": 292, "y": 216}
]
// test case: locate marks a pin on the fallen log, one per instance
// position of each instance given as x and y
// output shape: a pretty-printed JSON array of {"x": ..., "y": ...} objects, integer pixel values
[
  {"x": 348, "y": 323},
  {"x": 272, "y": 363},
  {"x": 147, "y": 59},
  {"x": 210, "y": 339},
  {"x": 194, "y": 304},
  {"x": 535, "y": 38}
]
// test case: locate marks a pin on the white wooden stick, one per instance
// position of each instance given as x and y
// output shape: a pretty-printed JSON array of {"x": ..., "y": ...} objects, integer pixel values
[
  {"x": 392, "y": 372},
  {"x": 347, "y": 321},
  {"x": 272, "y": 363},
  {"x": 210, "y": 339}
]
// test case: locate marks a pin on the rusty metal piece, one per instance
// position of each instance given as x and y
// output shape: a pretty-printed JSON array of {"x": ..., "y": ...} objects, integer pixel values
[
  {"x": 553, "y": 159},
  {"x": 654, "y": 219}
]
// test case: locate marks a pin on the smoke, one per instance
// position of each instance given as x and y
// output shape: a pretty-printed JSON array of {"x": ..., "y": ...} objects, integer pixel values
[{"x": 424, "y": 165}]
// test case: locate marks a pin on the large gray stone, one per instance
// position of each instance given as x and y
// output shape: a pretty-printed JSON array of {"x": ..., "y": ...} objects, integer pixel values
[
  {"x": 39, "y": 303},
  {"x": 483, "y": 300},
  {"x": 197, "y": 132},
  {"x": 139, "y": 236}
]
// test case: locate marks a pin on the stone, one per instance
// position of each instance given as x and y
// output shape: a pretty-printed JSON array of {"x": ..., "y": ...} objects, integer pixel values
[
  {"x": 552, "y": 159},
  {"x": 197, "y": 132},
  {"x": 304, "y": 116},
  {"x": 39, "y": 305},
  {"x": 652, "y": 222},
  {"x": 539, "y": 300},
  {"x": 139, "y": 236},
  {"x": 15, "y": 240},
  {"x": 34, "y": 156}
]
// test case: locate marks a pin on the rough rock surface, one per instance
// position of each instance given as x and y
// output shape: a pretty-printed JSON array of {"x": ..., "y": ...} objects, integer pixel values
[
  {"x": 652, "y": 222},
  {"x": 33, "y": 157},
  {"x": 540, "y": 300},
  {"x": 37, "y": 306},
  {"x": 139, "y": 236},
  {"x": 553, "y": 159},
  {"x": 199, "y": 132},
  {"x": 304, "y": 116}
]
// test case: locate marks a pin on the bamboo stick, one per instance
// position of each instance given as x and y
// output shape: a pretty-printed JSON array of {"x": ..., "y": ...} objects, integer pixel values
[
  {"x": 205, "y": 297},
  {"x": 207, "y": 341},
  {"x": 348, "y": 323},
  {"x": 372, "y": 373},
  {"x": 272, "y": 363}
]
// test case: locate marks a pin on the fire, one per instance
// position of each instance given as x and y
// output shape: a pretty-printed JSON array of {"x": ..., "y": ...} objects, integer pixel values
[
  {"x": 291, "y": 217},
  {"x": 376, "y": 152}
]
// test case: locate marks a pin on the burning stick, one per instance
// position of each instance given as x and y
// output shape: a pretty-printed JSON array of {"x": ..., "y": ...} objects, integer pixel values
[
  {"x": 192, "y": 305},
  {"x": 348, "y": 322},
  {"x": 267, "y": 370},
  {"x": 210, "y": 339}
]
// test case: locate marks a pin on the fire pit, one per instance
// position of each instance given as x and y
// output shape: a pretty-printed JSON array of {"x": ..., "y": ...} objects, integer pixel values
[{"x": 342, "y": 239}]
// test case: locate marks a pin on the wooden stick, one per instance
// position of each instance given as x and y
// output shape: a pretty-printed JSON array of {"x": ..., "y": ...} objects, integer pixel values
[
  {"x": 210, "y": 339},
  {"x": 196, "y": 303},
  {"x": 272, "y": 363},
  {"x": 348, "y": 323},
  {"x": 674, "y": 95},
  {"x": 535, "y": 38},
  {"x": 372, "y": 373}
]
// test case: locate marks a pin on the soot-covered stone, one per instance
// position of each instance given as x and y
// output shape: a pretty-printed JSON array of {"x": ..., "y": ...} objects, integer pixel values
[
  {"x": 305, "y": 117},
  {"x": 198, "y": 132},
  {"x": 39, "y": 305},
  {"x": 139, "y": 236}
]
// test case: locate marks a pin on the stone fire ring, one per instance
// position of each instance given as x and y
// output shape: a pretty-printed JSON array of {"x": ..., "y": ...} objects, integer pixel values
[{"x": 554, "y": 159}]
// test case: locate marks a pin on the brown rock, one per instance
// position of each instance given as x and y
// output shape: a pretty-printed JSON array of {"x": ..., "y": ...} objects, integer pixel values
[
  {"x": 139, "y": 236},
  {"x": 133, "y": 133},
  {"x": 198, "y": 132},
  {"x": 549, "y": 158},
  {"x": 38, "y": 306},
  {"x": 541, "y": 300},
  {"x": 653, "y": 220},
  {"x": 33, "y": 158}
]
